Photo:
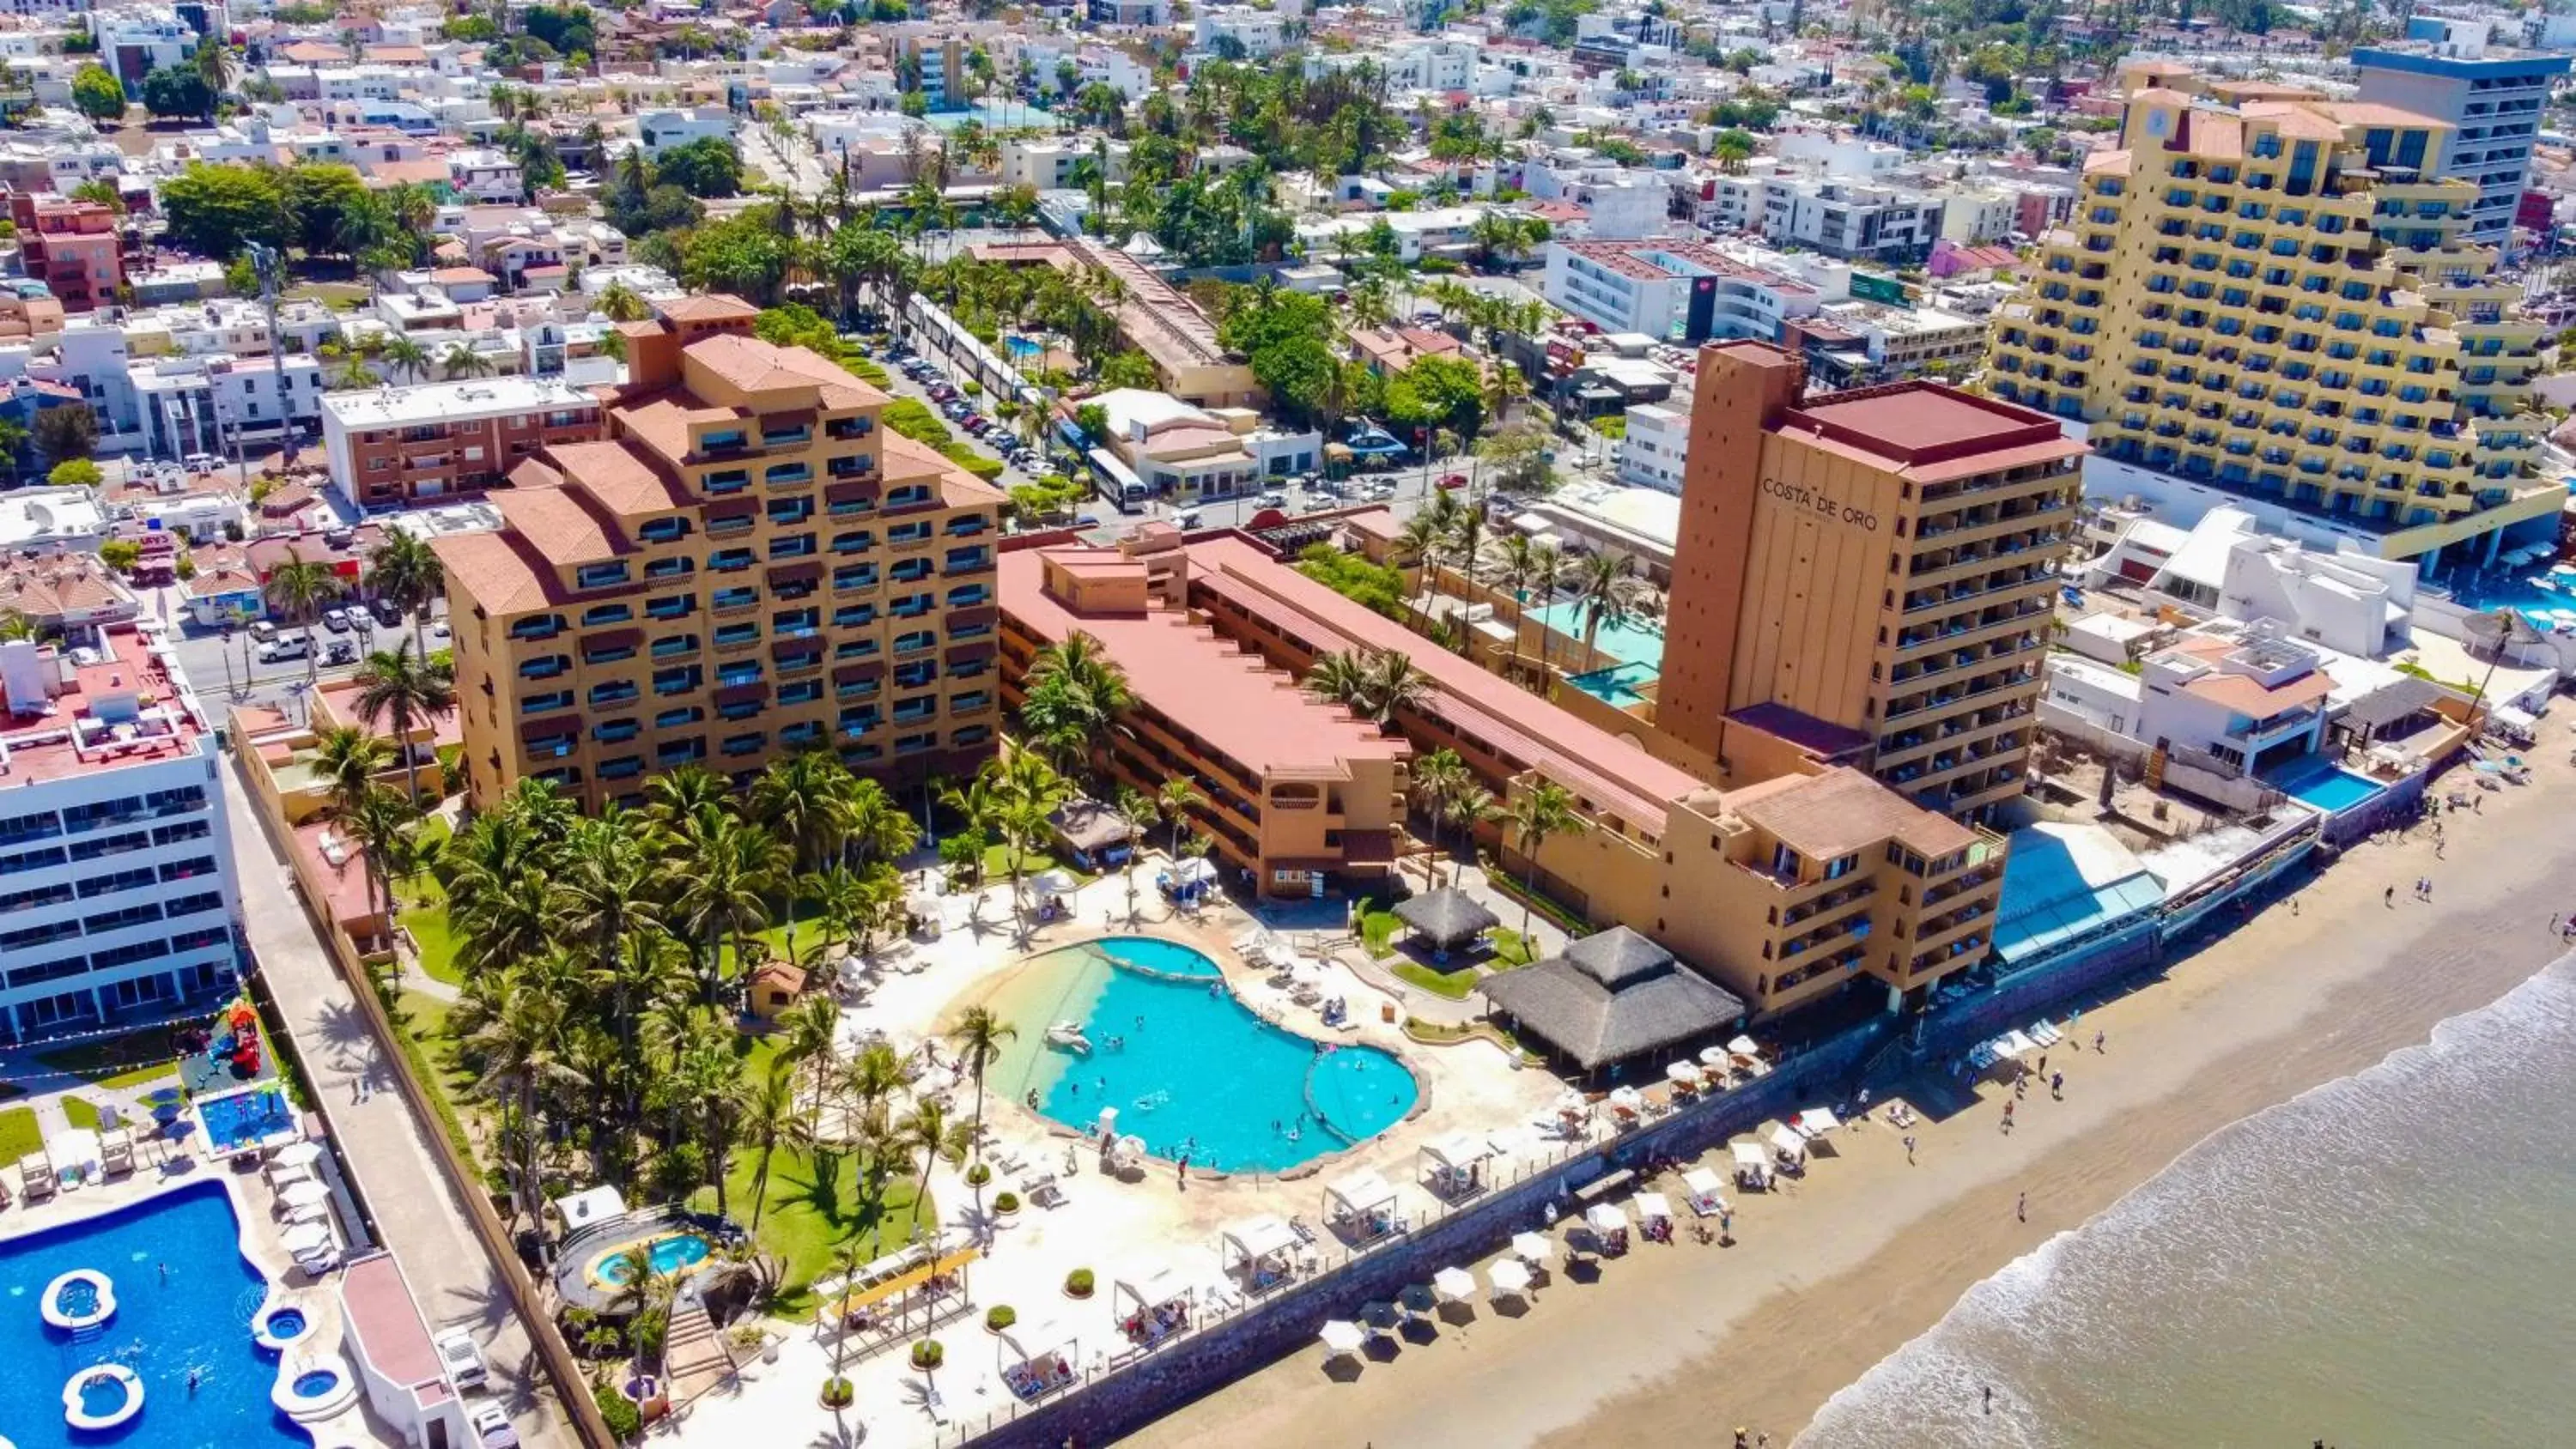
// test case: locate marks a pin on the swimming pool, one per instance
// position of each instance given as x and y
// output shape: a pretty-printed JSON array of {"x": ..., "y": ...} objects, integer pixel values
[
  {"x": 243, "y": 1118},
  {"x": 197, "y": 1318},
  {"x": 1188, "y": 1067},
  {"x": 2318, "y": 781},
  {"x": 1020, "y": 347},
  {"x": 1634, "y": 643},
  {"x": 676, "y": 1253},
  {"x": 1621, "y": 686}
]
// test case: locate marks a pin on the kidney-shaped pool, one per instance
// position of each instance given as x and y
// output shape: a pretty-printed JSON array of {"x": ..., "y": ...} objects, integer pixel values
[{"x": 1189, "y": 1068}]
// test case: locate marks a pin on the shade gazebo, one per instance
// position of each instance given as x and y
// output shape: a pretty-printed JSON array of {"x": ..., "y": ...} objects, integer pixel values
[
  {"x": 1263, "y": 1249},
  {"x": 1446, "y": 919},
  {"x": 1038, "y": 1358},
  {"x": 1360, "y": 1206},
  {"x": 1611, "y": 997},
  {"x": 1152, "y": 1303},
  {"x": 1453, "y": 1166}
]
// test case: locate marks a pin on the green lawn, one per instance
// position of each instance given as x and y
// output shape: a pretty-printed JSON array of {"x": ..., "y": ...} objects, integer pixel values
[
  {"x": 1510, "y": 949},
  {"x": 1452, "y": 985},
  {"x": 19, "y": 1134},
  {"x": 428, "y": 1047},
  {"x": 814, "y": 1205},
  {"x": 117, "y": 1061},
  {"x": 81, "y": 1112},
  {"x": 997, "y": 865},
  {"x": 436, "y": 939}
]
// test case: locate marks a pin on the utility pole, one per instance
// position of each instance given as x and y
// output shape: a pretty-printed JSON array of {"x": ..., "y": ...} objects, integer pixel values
[{"x": 270, "y": 265}]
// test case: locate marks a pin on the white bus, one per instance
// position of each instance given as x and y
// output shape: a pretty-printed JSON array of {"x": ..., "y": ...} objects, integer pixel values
[{"x": 1118, "y": 483}]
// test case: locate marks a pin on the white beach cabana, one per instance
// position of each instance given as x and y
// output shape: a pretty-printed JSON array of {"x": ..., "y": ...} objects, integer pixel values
[
  {"x": 306, "y": 1193},
  {"x": 1510, "y": 1277},
  {"x": 1535, "y": 1249},
  {"x": 1454, "y": 1285},
  {"x": 1814, "y": 1122},
  {"x": 1361, "y": 1206},
  {"x": 1052, "y": 883},
  {"x": 1039, "y": 1358},
  {"x": 74, "y": 1152},
  {"x": 1752, "y": 1164},
  {"x": 1151, "y": 1303},
  {"x": 1654, "y": 1207},
  {"x": 301, "y": 1153},
  {"x": 1453, "y": 1166},
  {"x": 1609, "y": 1224},
  {"x": 1701, "y": 1189},
  {"x": 1342, "y": 1339},
  {"x": 1784, "y": 1139},
  {"x": 1261, "y": 1250}
]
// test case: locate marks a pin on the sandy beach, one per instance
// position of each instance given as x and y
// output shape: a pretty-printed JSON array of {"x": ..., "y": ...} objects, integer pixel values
[{"x": 1680, "y": 1343}]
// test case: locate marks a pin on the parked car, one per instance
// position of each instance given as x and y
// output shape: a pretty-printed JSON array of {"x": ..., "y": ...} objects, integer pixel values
[
  {"x": 285, "y": 647},
  {"x": 341, "y": 651},
  {"x": 491, "y": 1426},
  {"x": 462, "y": 1359},
  {"x": 336, "y": 620},
  {"x": 262, "y": 630},
  {"x": 438, "y": 633},
  {"x": 387, "y": 612},
  {"x": 1272, "y": 499}
]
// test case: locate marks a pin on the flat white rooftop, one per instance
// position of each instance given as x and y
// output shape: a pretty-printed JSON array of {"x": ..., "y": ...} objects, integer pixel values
[{"x": 430, "y": 402}]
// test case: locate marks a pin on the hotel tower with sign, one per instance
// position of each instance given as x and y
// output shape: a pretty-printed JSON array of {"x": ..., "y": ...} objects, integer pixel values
[{"x": 1866, "y": 575}]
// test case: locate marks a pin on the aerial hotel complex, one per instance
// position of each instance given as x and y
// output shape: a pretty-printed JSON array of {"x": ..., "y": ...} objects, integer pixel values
[
  {"x": 743, "y": 565},
  {"x": 1780, "y": 888},
  {"x": 2266, "y": 299}
]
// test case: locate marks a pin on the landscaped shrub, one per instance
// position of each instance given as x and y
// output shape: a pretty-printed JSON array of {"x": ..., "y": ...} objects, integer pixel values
[
  {"x": 624, "y": 1419},
  {"x": 928, "y": 1355},
  {"x": 1078, "y": 1283},
  {"x": 1008, "y": 1202},
  {"x": 1002, "y": 1316}
]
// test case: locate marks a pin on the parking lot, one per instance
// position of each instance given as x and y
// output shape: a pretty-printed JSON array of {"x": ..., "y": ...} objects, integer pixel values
[{"x": 227, "y": 667}]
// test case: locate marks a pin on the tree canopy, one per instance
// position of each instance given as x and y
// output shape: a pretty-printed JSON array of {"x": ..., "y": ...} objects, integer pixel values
[
  {"x": 98, "y": 93},
  {"x": 707, "y": 168}
]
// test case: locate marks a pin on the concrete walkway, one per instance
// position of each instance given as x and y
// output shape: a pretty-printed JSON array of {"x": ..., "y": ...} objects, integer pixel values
[{"x": 386, "y": 1146}]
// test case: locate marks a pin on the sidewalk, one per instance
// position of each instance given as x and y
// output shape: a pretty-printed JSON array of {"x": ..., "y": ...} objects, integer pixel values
[{"x": 385, "y": 1145}]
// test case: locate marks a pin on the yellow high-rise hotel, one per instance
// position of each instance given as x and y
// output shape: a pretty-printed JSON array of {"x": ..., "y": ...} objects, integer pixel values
[{"x": 2264, "y": 297}]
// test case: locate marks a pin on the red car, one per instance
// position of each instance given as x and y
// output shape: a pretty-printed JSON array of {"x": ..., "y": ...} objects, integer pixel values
[{"x": 1454, "y": 480}]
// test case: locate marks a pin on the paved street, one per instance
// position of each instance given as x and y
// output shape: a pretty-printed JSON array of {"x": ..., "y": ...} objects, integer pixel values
[{"x": 386, "y": 1146}]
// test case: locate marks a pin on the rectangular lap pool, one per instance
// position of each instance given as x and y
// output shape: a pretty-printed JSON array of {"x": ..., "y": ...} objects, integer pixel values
[
  {"x": 2320, "y": 782},
  {"x": 238, "y": 1121}
]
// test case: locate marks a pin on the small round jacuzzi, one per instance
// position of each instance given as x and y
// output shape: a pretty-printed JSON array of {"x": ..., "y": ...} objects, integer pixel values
[
  {"x": 280, "y": 1328},
  {"x": 103, "y": 1396},
  {"x": 313, "y": 1387},
  {"x": 82, "y": 1298}
]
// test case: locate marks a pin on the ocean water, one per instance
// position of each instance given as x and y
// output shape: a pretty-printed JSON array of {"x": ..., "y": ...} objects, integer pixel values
[{"x": 2387, "y": 1260}]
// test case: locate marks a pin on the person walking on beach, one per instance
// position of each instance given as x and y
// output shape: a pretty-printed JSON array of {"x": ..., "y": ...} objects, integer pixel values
[
  {"x": 2097, "y": 1043},
  {"x": 2021, "y": 1208},
  {"x": 2388, "y": 898},
  {"x": 1909, "y": 1150},
  {"x": 1181, "y": 1172},
  {"x": 2057, "y": 1086},
  {"x": 1990, "y": 1399}
]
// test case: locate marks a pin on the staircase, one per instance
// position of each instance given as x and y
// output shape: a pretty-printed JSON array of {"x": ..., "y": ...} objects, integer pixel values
[{"x": 693, "y": 1353}]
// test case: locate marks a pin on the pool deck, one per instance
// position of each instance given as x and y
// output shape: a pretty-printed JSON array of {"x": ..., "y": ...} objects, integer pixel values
[
  {"x": 1115, "y": 1227},
  {"x": 254, "y": 1207}
]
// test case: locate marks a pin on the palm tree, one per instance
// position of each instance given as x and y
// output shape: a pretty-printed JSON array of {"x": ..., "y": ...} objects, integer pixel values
[
  {"x": 1465, "y": 808},
  {"x": 1074, "y": 693},
  {"x": 979, "y": 1035},
  {"x": 1527, "y": 567},
  {"x": 298, "y": 589},
  {"x": 1374, "y": 685},
  {"x": 619, "y": 302},
  {"x": 871, "y": 1078},
  {"x": 218, "y": 67},
  {"x": 770, "y": 1121},
  {"x": 721, "y": 878},
  {"x": 349, "y": 758},
  {"x": 1606, "y": 591},
  {"x": 1173, "y": 802},
  {"x": 1136, "y": 807},
  {"x": 401, "y": 689},
  {"x": 461, "y": 360},
  {"x": 380, "y": 825},
  {"x": 405, "y": 571},
  {"x": 1537, "y": 814},
  {"x": 926, "y": 1130},
  {"x": 810, "y": 1026},
  {"x": 519, "y": 1044},
  {"x": 849, "y": 904},
  {"x": 406, "y": 355},
  {"x": 1437, "y": 777}
]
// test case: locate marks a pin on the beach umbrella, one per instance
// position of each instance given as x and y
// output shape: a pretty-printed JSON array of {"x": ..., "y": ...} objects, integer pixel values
[
  {"x": 298, "y": 1154},
  {"x": 1606, "y": 1217},
  {"x": 1533, "y": 1248},
  {"x": 1510, "y": 1275},
  {"x": 305, "y": 1238},
  {"x": 1744, "y": 1046},
  {"x": 1454, "y": 1285},
  {"x": 1341, "y": 1337},
  {"x": 303, "y": 1194},
  {"x": 1718, "y": 1057},
  {"x": 1683, "y": 1073}
]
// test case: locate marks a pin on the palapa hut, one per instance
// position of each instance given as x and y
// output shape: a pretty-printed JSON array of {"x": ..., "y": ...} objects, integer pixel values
[{"x": 1611, "y": 998}]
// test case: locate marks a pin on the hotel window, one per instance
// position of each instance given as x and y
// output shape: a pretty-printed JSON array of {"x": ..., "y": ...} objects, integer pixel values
[
  {"x": 624, "y": 767},
  {"x": 673, "y": 645},
  {"x": 717, "y": 440},
  {"x": 966, "y": 525},
  {"x": 903, "y": 533},
  {"x": 615, "y": 654},
  {"x": 916, "y": 743},
  {"x": 543, "y": 626},
  {"x": 600, "y": 575},
  {"x": 605, "y": 614},
  {"x": 968, "y": 596},
  {"x": 850, "y": 465},
  {"x": 746, "y": 744},
  {"x": 683, "y": 680},
  {"x": 857, "y": 722},
  {"x": 670, "y": 568},
  {"x": 854, "y": 616},
  {"x": 916, "y": 674},
  {"x": 664, "y": 530},
  {"x": 968, "y": 560},
  {"x": 737, "y": 674},
  {"x": 740, "y": 710},
  {"x": 969, "y": 702},
  {"x": 803, "y": 691},
  {"x": 546, "y": 668},
  {"x": 850, "y": 507},
  {"x": 790, "y": 510},
  {"x": 855, "y": 649},
  {"x": 857, "y": 540},
  {"x": 796, "y": 546},
  {"x": 909, "y": 570},
  {"x": 730, "y": 560},
  {"x": 796, "y": 623},
  {"x": 847, "y": 428},
  {"x": 680, "y": 752},
  {"x": 857, "y": 689},
  {"x": 729, "y": 480},
  {"x": 914, "y": 711},
  {"x": 670, "y": 606},
  {"x": 682, "y": 718},
  {"x": 968, "y": 670},
  {"x": 729, "y": 635},
  {"x": 739, "y": 597},
  {"x": 612, "y": 731},
  {"x": 616, "y": 691},
  {"x": 908, "y": 495},
  {"x": 912, "y": 606},
  {"x": 914, "y": 642},
  {"x": 786, "y": 436},
  {"x": 855, "y": 576},
  {"x": 543, "y": 703},
  {"x": 804, "y": 732}
]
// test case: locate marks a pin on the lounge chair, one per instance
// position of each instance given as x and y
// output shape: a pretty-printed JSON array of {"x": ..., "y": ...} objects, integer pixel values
[{"x": 1043, "y": 1191}]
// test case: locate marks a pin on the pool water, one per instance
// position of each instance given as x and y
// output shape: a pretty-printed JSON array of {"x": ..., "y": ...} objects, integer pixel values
[
  {"x": 2317, "y": 781},
  {"x": 286, "y": 1323},
  {"x": 1192, "y": 1069},
  {"x": 668, "y": 1255},
  {"x": 78, "y": 1298},
  {"x": 103, "y": 1394},
  {"x": 238, "y": 1121},
  {"x": 315, "y": 1383},
  {"x": 1020, "y": 347},
  {"x": 197, "y": 1318},
  {"x": 1621, "y": 686},
  {"x": 1633, "y": 643}
]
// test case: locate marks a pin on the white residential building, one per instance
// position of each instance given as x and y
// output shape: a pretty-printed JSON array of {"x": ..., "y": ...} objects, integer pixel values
[
  {"x": 1673, "y": 291},
  {"x": 1261, "y": 33},
  {"x": 117, "y": 892},
  {"x": 658, "y": 131},
  {"x": 1658, "y": 442}
]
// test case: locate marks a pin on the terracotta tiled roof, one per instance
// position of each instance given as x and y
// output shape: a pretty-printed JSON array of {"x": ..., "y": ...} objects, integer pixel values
[
  {"x": 554, "y": 522},
  {"x": 618, "y": 476},
  {"x": 1840, "y": 811},
  {"x": 59, "y": 584},
  {"x": 490, "y": 569},
  {"x": 708, "y": 307},
  {"x": 757, "y": 367}
]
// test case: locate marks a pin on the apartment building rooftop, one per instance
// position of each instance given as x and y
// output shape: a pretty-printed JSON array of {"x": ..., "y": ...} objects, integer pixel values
[
  {"x": 434, "y": 402},
  {"x": 1246, "y": 710},
  {"x": 1649, "y": 261},
  {"x": 1830, "y": 815},
  {"x": 67, "y": 717}
]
